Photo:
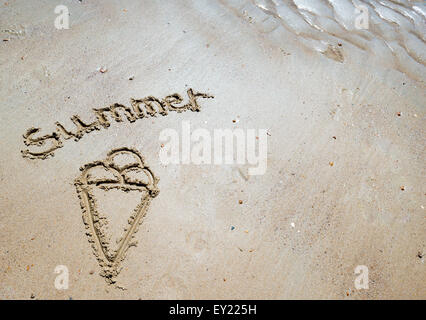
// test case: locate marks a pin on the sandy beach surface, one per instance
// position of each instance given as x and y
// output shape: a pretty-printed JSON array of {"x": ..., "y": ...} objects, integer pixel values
[{"x": 344, "y": 112}]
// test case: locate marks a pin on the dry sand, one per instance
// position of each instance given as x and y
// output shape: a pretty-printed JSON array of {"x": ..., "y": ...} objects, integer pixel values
[{"x": 344, "y": 186}]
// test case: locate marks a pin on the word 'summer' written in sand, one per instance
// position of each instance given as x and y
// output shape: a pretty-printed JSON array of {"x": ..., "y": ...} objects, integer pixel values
[{"x": 45, "y": 146}]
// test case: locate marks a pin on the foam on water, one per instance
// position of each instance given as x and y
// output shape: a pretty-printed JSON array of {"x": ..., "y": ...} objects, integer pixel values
[{"x": 394, "y": 38}]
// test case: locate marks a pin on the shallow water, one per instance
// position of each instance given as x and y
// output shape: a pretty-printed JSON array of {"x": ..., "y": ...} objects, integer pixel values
[{"x": 392, "y": 32}]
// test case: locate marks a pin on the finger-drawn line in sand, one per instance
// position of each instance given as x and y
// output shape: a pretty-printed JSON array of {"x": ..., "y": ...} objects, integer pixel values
[
  {"x": 113, "y": 173},
  {"x": 140, "y": 108}
]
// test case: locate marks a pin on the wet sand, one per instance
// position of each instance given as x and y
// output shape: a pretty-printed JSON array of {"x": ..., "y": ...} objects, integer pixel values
[{"x": 344, "y": 184}]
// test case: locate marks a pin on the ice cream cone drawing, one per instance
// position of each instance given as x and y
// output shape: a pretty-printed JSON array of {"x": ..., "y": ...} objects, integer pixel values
[{"x": 114, "y": 196}]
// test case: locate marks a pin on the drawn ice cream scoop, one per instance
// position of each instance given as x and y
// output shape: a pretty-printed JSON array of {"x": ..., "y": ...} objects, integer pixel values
[{"x": 115, "y": 195}]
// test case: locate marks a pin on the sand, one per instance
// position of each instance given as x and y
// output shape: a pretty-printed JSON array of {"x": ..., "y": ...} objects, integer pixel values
[{"x": 344, "y": 185}]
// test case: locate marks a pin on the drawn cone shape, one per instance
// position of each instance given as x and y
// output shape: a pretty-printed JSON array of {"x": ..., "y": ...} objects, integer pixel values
[{"x": 115, "y": 195}]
